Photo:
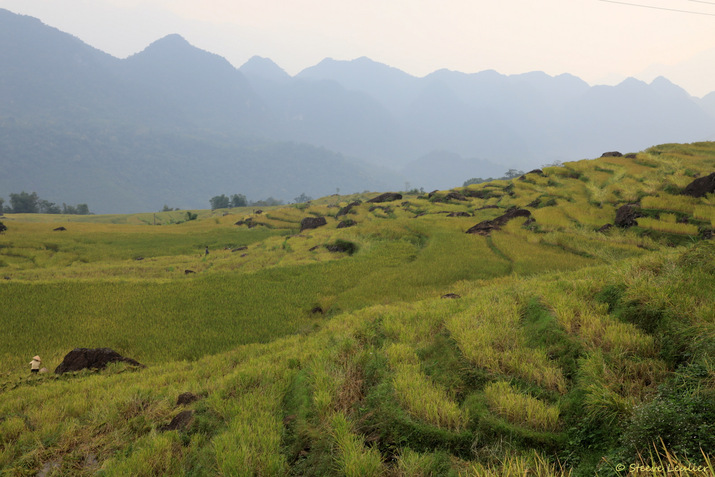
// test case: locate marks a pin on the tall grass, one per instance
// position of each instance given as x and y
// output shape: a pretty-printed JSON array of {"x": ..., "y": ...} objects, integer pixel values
[
  {"x": 418, "y": 395},
  {"x": 668, "y": 226},
  {"x": 490, "y": 336},
  {"x": 353, "y": 458},
  {"x": 520, "y": 408}
]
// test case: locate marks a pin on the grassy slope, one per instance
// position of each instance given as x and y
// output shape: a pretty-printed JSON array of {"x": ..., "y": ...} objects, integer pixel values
[{"x": 392, "y": 380}]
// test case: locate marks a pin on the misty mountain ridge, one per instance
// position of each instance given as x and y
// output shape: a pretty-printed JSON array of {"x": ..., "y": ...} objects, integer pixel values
[{"x": 417, "y": 130}]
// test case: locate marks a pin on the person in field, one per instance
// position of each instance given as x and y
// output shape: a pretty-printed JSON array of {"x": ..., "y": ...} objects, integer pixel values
[{"x": 35, "y": 364}]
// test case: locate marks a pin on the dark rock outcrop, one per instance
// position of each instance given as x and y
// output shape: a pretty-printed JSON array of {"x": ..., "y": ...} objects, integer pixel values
[
  {"x": 486, "y": 226},
  {"x": 186, "y": 398},
  {"x": 188, "y": 272},
  {"x": 59, "y": 229},
  {"x": 342, "y": 246},
  {"x": 180, "y": 422},
  {"x": 346, "y": 223},
  {"x": 454, "y": 196},
  {"x": 626, "y": 215},
  {"x": 312, "y": 223},
  {"x": 479, "y": 194},
  {"x": 612, "y": 154},
  {"x": 604, "y": 228},
  {"x": 538, "y": 172},
  {"x": 700, "y": 186},
  {"x": 452, "y": 296},
  {"x": 534, "y": 203},
  {"x": 386, "y": 197},
  {"x": 3, "y": 227},
  {"x": 91, "y": 358},
  {"x": 347, "y": 208},
  {"x": 459, "y": 214}
]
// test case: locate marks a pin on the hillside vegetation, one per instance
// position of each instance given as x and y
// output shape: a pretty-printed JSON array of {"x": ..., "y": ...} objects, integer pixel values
[{"x": 386, "y": 342}]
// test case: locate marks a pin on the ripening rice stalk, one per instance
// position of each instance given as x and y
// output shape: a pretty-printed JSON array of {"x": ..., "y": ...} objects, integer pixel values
[
  {"x": 675, "y": 203},
  {"x": 419, "y": 395},
  {"x": 668, "y": 227},
  {"x": 490, "y": 336},
  {"x": 531, "y": 464},
  {"x": 521, "y": 409},
  {"x": 353, "y": 457},
  {"x": 553, "y": 216},
  {"x": 705, "y": 212}
]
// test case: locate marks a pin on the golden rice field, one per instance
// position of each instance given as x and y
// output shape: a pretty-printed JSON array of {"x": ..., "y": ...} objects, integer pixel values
[{"x": 399, "y": 346}]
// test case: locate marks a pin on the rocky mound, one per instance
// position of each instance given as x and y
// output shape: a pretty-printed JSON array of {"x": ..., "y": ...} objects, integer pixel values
[
  {"x": 346, "y": 223},
  {"x": 346, "y": 209},
  {"x": 386, "y": 197},
  {"x": 180, "y": 422},
  {"x": 701, "y": 186},
  {"x": 626, "y": 215},
  {"x": 486, "y": 226},
  {"x": 312, "y": 223},
  {"x": 91, "y": 358}
]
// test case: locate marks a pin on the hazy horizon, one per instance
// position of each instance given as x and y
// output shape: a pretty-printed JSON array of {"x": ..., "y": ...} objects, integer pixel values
[{"x": 601, "y": 42}]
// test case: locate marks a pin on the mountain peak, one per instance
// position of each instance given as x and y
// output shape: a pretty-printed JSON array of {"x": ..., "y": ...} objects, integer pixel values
[
  {"x": 263, "y": 68},
  {"x": 172, "y": 41}
]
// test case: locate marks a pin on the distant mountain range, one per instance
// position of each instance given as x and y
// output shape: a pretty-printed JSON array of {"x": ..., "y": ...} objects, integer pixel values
[{"x": 176, "y": 125}]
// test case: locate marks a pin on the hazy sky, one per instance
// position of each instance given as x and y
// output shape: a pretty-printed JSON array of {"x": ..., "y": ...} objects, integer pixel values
[{"x": 597, "y": 40}]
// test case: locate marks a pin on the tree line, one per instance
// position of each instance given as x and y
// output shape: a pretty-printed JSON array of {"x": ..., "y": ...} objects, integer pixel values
[
  {"x": 239, "y": 200},
  {"x": 31, "y": 203}
]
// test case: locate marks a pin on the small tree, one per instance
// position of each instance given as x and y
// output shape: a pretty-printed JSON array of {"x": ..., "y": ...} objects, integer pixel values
[
  {"x": 512, "y": 174},
  {"x": 2, "y": 201},
  {"x": 238, "y": 200},
  {"x": 219, "y": 202},
  {"x": 167, "y": 208},
  {"x": 47, "y": 207},
  {"x": 83, "y": 209},
  {"x": 24, "y": 203},
  {"x": 302, "y": 198}
]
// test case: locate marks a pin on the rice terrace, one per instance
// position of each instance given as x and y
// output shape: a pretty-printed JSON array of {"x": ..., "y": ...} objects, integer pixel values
[{"x": 570, "y": 332}]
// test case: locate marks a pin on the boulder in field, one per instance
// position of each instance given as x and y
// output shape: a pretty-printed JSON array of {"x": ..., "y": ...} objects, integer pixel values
[
  {"x": 347, "y": 208},
  {"x": 485, "y": 227},
  {"x": 386, "y": 197},
  {"x": 612, "y": 154},
  {"x": 626, "y": 215},
  {"x": 180, "y": 422},
  {"x": 346, "y": 223},
  {"x": 312, "y": 223},
  {"x": 186, "y": 398},
  {"x": 700, "y": 186},
  {"x": 451, "y": 296},
  {"x": 91, "y": 358},
  {"x": 59, "y": 229}
]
